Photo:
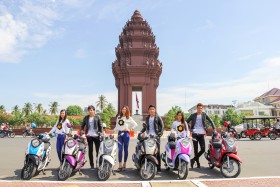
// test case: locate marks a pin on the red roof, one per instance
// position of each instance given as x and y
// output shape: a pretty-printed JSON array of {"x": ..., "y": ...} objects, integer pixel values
[{"x": 272, "y": 92}]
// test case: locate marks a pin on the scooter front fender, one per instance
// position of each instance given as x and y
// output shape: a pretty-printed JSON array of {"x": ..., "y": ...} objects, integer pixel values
[
  {"x": 184, "y": 157},
  {"x": 34, "y": 158},
  {"x": 152, "y": 158},
  {"x": 109, "y": 159},
  {"x": 71, "y": 160},
  {"x": 234, "y": 156}
]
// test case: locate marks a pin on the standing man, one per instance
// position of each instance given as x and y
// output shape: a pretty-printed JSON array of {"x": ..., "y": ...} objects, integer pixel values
[
  {"x": 154, "y": 125},
  {"x": 199, "y": 129},
  {"x": 93, "y": 127},
  {"x": 277, "y": 125}
]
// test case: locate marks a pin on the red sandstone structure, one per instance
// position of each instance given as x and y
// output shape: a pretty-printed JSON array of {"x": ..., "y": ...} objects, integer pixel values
[{"x": 137, "y": 67}]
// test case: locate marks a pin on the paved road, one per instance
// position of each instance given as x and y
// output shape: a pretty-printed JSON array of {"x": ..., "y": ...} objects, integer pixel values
[{"x": 260, "y": 158}]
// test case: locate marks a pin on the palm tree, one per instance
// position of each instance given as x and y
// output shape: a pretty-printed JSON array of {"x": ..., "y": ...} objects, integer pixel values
[
  {"x": 27, "y": 108},
  {"x": 15, "y": 109},
  {"x": 2, "y": 109},
  {"x": 54, "y": 107},
  {"x": 102, "y": 102},
  {"x": 39, "y": 108}
]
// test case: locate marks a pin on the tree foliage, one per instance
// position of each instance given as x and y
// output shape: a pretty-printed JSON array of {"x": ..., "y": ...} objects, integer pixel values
[
  {"x": 107, "y": 114},
  {"x": 74, "y": 110},
  {"x": 102, "y": 102},
  {"x": 170, "y": 116},
  {"x": 53, "y": 107},
  {"x": 233, "y": 116}
]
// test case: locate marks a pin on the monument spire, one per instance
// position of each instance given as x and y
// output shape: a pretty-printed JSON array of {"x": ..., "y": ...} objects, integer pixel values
[{"x": 137, "y": 67}]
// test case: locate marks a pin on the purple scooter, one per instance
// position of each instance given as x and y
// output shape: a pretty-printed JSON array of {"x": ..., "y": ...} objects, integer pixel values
[{"x": 73, "y": 155}]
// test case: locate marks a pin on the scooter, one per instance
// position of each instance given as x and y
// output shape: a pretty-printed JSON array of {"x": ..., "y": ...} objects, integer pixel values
[
  {"x": 274, "y": 133},
  {"x": 9, "y": 133},
  {"x": 107, "y": 156},
  {"x": 222, "y": 153},
  {"x": 36, "y": 156},
  {"x": 144, "y": 157},
  {"x": 28, "y": 133},
  {"x": 177, "y": 154},
  {"x": 73, "y": 156}
]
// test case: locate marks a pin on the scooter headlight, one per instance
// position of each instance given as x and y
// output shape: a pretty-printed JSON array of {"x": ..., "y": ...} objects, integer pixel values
[
  {"x": 230, "y": 141},
  {"x": 185, "y": 142},
  {"x": 70, "y": 143},
  {"x": 35, "y": 143},
  {"x": 151, "y": 142}
]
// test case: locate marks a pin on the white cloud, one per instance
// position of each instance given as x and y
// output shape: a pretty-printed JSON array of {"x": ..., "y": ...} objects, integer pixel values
[
  {"x": 246, "y": 88},
  {"x": 80, "y": 54},
  {"x": 246, "y": 57},
  {"x": 207, "y": 25}
]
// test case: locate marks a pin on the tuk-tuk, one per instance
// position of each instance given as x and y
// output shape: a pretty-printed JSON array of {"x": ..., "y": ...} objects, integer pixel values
[{"x": 257, "y": 126}]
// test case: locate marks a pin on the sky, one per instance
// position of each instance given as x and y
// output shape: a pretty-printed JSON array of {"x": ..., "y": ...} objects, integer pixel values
[{"x": 214, "y": 52}]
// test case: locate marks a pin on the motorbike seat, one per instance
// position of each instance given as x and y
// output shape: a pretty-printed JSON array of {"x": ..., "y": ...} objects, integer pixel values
[
  {"x": 172, "y": 145},
  {"x": 46, "y": 145},
  {"x": 217, "y": 144}
]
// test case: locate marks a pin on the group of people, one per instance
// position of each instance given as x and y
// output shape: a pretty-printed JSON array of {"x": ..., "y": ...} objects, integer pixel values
[
  {"x": 5, "y": 126},
  {"x": 92, "y": 127}
]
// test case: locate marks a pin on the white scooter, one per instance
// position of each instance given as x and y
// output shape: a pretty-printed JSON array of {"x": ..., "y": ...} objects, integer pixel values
[{"x": 107, "y": 156}]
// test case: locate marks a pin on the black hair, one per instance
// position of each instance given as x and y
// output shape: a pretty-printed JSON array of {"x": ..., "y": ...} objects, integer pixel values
[
  {"x": 182, "y": 113},
  {"x": 91, "y": 107},
  {"x": 60, "y": 120},
  {"x": 150, "y": 106}
]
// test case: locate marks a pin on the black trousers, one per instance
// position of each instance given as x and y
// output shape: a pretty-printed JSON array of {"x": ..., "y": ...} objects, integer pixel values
[
  {"x": 90, "y": 141},
  {"x": 200, "y": 139},
  {"x": 158, "y": 154}
]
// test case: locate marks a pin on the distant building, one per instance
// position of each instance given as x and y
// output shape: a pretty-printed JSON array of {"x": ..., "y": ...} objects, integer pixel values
[
  {"x": 271, "y": 98},
  {"x": 216, "y": 109},
  {"x": 254, "y": 108}
]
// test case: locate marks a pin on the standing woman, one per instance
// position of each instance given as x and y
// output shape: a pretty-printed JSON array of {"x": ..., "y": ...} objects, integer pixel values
[
  {"x": 61, "y": 129},
  {"x": 124, "y": 124},
  {"x": 180, "y": 125}
]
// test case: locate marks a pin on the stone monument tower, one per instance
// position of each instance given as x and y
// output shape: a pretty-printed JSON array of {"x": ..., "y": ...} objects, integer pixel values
[{"x": 137, "y": 68}]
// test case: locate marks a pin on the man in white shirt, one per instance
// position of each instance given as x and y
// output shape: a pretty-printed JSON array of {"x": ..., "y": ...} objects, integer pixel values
[
  {"x": 92, "y": 126},
  {"x": 199, "y": 129}
]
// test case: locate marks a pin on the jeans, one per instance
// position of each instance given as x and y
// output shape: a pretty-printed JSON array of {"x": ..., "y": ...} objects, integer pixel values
[
  {"x": 123, "y": 144},
  {"x": 59, "y": 143}
]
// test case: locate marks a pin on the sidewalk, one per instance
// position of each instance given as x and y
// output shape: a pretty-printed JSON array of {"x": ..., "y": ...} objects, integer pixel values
[{"x": 239, "y": 182}]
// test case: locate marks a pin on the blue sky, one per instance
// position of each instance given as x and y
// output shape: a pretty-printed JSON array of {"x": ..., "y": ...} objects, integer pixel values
[{"x": 212, "y": 51}]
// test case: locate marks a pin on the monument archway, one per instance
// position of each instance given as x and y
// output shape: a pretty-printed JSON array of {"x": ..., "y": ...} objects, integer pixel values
[{"x": 137, "y": 68}]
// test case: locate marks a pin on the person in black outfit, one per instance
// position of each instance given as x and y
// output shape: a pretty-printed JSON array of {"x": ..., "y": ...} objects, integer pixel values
[
  {"x": 198, "y": 129},
  {"x": 155, "y": 126},
  {"x": 92, "y": 127}
]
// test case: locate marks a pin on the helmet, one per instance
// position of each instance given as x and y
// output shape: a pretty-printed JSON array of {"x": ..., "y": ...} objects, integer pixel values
[{"x": 104, "y": 125}]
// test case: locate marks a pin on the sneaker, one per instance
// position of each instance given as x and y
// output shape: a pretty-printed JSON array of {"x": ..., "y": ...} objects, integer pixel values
[{"x": 91, "y": 167}]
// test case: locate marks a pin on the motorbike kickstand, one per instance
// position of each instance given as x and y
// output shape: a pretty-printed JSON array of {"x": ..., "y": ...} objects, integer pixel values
[
  {"x": 80, "y": 173},
  {"x": 43, "y": 171}
]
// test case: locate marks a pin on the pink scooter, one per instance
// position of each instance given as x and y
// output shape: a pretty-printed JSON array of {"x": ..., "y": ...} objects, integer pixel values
[
  {"x": 73, "y": 155},
  {"x": 177, "y": 154}
]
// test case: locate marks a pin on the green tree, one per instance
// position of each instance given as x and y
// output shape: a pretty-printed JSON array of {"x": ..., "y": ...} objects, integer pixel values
[
  {"x": 15, "y": 109},
  {"x": 170, "y": 116},
  {"x": 216, "y": 119},
  {"x": 2, "y": 109},
  {"x": 233, "y": 116},
  {"x": 102, "y": 102},
  {"x": 27, "y": 108},
  {"x": 39, "y": 108},
  {"x": 53, "y": 107},
  {"x": 107, "y": 114},
  {"x": 74, "y": 110}
]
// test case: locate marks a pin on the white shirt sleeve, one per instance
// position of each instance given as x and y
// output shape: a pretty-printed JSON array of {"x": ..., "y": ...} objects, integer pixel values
[
  {"x": 66, "y": 129},
  {"x": 132, "y": 124}
]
